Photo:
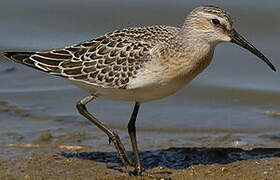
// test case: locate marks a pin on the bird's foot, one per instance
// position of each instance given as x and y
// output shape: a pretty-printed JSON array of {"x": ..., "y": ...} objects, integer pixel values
[{"x": 162, "y": 175}]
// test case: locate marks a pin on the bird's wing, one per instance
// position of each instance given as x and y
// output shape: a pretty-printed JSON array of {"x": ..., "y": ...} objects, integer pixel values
[{"x": 108, "y": 61}]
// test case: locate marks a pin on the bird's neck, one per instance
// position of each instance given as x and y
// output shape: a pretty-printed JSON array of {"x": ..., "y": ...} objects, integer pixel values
[
  {"x": 190, "y": 43},
  {"x": 192, "y": 54}
]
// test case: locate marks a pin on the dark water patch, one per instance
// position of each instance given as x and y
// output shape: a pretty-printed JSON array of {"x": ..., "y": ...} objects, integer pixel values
[{"x": 181, "y": 158}]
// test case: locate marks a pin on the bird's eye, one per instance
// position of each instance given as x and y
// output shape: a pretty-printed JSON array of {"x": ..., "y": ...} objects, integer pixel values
[{"x": 216, "y": 21}]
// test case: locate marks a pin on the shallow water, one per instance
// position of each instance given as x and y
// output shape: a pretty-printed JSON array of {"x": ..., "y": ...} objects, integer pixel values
[{"x": 231, "y": 104}]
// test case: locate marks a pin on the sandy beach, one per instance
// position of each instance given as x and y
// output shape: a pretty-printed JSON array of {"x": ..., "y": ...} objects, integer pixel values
[
  {"x": 46, "y": 160},
  {"x": 61, "y": 153}
]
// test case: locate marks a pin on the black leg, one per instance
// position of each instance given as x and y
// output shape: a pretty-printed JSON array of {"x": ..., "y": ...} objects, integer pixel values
[
  {"x": 132, "y": 134},
  {"x": 113, "y": 137}
]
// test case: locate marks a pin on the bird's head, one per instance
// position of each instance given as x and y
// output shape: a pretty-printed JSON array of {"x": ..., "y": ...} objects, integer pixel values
[{"x": 214, "y": 25}]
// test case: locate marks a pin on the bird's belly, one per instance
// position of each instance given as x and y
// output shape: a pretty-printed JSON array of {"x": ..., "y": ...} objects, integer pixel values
[
  {"x": 141, "y": 94},
  {"x": 157, "y": 91}
]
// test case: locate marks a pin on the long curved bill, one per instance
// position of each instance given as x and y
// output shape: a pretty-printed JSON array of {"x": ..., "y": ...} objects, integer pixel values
[{"x": 238, "y": 39}]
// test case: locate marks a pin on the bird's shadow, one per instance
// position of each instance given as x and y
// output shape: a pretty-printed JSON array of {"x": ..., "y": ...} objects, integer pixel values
[{"x": 181, "y": 158}]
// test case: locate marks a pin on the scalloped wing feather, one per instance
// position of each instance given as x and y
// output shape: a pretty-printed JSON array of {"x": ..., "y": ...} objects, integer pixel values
[{"x": 108, "y": 61}]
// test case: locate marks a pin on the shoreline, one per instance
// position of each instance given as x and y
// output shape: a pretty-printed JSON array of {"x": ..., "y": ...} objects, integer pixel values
[{"x": 73, "y": 162}]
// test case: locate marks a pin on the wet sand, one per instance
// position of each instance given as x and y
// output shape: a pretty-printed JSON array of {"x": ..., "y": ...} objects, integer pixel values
[
  {"x": 61, "y": 153},
  {"x": 52, "y": 164},
  {"x": 45, "y": 161}
]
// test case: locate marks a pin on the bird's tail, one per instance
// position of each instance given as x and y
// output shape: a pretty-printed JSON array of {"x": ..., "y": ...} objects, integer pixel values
[
  {"x": 43, "y": 61},
  {"x": 57, "y": 62},
  {"x": 19, "y": 57}
]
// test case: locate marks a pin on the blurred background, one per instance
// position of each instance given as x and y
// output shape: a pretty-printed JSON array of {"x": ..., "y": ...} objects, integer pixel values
[{"x": 237, "y": 96}]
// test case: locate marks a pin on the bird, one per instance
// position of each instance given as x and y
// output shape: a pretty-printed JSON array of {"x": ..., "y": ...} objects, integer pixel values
[{"x": 139, "y": 64}]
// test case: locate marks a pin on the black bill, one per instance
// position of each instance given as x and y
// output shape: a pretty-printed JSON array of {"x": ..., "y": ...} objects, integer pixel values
[{"x": 238, "y": 39}]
